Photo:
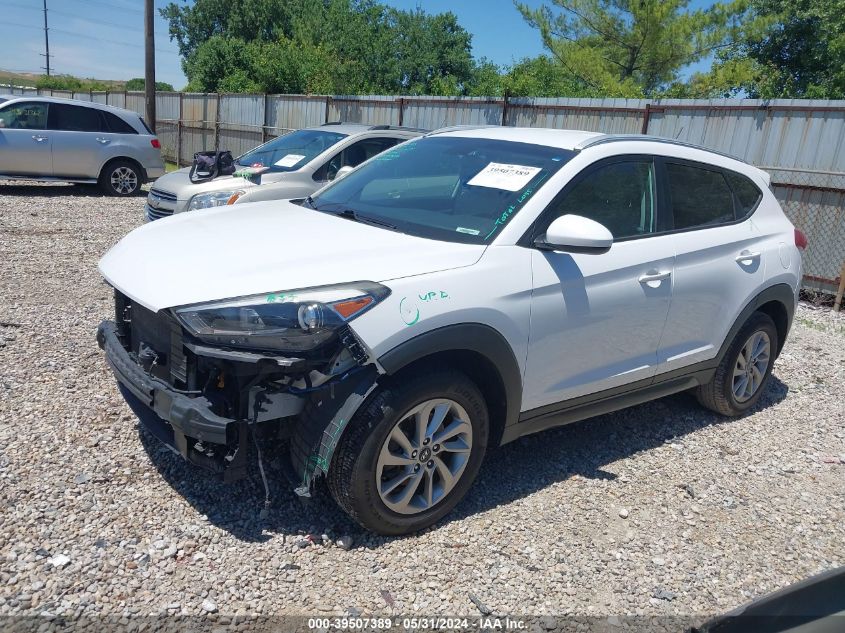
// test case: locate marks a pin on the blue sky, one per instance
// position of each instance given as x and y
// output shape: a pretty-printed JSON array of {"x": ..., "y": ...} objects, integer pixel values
[{"x": 105, "y": 38}]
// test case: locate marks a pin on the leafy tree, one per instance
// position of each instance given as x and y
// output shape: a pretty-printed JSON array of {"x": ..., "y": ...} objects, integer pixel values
[
  {"x": 339, "y": 46},
  {"x": 631, "y": 48},
  {"x": 540, "y": 76},
  {"x": 430, "y": 51},
  {"x": 68, "y": 82},
  {"x": 138, "y": 83},
  {"x": 800, "y": 52}
]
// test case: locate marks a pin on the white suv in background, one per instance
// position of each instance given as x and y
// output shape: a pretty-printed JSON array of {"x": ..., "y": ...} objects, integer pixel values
[{"x": 455, "y": 293}]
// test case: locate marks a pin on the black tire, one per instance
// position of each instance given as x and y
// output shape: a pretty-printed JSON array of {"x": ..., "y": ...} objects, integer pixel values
[
  {"x": 352, "y": 475},
  {"x": 718, "y": 395},
  {"x": 121, "y": 178}
]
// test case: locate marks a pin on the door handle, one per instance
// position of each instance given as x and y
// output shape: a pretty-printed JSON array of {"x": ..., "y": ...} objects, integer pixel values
[
  {"x": 650, "y": 277},
  {"x": 38, "y": 138},
  {"x": 103, "y": 141},
  {"x": 747, "y": 257}
]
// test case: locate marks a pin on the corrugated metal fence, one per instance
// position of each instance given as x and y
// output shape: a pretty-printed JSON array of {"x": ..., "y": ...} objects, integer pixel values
[{"x": 800, "y": 142}]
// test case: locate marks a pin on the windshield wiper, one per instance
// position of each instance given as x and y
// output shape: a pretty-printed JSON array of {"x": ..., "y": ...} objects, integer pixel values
[{"x": 351, "y": 214}]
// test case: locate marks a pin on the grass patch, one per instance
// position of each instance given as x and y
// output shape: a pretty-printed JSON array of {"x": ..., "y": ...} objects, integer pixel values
[{"x": 832, "y": 328}]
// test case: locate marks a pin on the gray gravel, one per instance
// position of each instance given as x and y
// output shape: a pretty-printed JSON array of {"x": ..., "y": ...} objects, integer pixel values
[{"x": 658, "y": 510}]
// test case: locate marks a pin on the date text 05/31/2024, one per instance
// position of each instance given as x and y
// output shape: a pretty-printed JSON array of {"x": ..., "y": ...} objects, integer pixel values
[{"x": 416, "y": 624}]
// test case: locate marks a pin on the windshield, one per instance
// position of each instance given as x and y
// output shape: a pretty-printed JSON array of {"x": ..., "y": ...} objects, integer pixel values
[
  {"x": 443, "y": 187},
  {"x": 291, "y": 151}
]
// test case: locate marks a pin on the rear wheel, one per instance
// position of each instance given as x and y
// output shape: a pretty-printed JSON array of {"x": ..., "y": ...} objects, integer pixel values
[
  {"x": 121, "y": 178},
  {"x": 411, "y": 454},
  {"x": 744, "y": 372}
]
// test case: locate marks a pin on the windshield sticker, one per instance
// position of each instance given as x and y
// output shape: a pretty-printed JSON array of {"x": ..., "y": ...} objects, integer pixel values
[
  {"x": 462, "y": 229},
  {"x": 507, "y": 213},
  {"x": 507, "y": 177},
  {"x": 289, "y": 161}
]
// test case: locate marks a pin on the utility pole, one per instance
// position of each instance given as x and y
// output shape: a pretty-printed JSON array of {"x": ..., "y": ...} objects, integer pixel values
[
  {"x": 46, "y": 40},
  {"x": 149, "y": 65}
]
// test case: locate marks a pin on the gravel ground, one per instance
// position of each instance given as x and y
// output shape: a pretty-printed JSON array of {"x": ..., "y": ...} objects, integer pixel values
[{"x": 663, "y": 509}]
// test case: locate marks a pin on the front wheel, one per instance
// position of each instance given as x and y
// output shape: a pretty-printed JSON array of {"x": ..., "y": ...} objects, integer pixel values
[
  {"x": 412, "y": 452},
  {"x": 742, "y": 375},
  {"x": 121, "y": 178}
]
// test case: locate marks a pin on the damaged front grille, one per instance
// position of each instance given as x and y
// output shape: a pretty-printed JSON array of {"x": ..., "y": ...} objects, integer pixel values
[{"x": 155, "y": 339}]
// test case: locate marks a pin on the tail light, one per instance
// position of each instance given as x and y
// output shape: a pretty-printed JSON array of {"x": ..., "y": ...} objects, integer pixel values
[
  {"x": 154, "y": 142},
  {"x": 800, "y": 240}
]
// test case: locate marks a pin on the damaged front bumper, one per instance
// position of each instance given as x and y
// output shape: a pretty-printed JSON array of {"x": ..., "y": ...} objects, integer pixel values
[
  {"x": 191, "y": 424},
  {"x": 184, "y": 423}
]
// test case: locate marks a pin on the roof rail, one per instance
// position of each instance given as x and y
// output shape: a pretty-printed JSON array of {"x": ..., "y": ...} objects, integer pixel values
[
  {"x": 459, "y": 128},
  {"x": 403, "y": 128},
  {"x": 615, "y": 138}
]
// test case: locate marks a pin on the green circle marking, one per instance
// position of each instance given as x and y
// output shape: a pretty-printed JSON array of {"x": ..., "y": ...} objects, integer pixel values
[{"x": 405, "y": 317}]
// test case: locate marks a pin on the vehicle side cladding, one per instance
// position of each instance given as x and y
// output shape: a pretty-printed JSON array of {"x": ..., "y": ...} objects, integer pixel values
[
  {"x": 475, "y": 349},
  {"x": 778, "y": 302},
  {"x": 323, "y": 420},
  {"x": 479, "y": 351}
]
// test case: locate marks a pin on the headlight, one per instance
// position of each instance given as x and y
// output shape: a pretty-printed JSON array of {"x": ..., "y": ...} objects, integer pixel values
[
  {"x": 290, "y": 321},
  {"x": 214, "y": 199}
]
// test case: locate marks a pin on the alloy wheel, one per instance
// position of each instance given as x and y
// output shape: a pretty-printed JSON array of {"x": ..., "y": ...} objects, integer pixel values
[
  {"x": 124, "y": 180},
  {"x": 751, "y": 366},
  {"x": 424, "y": 456}
]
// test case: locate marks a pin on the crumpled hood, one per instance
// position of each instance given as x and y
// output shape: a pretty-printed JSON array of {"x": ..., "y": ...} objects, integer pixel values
[{"x": 264, "y": 247}]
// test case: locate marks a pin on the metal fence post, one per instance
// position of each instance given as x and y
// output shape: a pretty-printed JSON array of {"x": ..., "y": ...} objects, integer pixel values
[
  {"x": 646, "y": 117},
  {"x": 217, "y": 125},
  {"x": 264, "y": 135},
  {"x": 328, "y": 105},
  {"x": 401, "y": 110},
  {"x": 505, "y": 107},
  {"x": 179, "y": 132}
]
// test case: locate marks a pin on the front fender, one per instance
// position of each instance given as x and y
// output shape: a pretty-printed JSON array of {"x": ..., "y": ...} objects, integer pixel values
[{"x": 473, "y": 337}]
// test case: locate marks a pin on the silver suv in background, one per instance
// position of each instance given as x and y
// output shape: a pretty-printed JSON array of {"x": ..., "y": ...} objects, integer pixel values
[
  {"x": 53, "y": 139},
  {"x": 300, "y": 162}
]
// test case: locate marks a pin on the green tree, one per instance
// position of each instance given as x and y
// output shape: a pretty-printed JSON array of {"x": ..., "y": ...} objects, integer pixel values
[
  {"x": 540, "y": 76},
  {"x": 631, "y": 48},
  {"x": 138, "y": 83},
  {"x": 799, "y": 52},
  {"x": 68, "y": 82},
  {"x": 340, "y": 46}
]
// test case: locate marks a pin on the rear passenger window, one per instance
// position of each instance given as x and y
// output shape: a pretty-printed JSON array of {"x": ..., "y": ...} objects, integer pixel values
[
  {"x": 619, "y": 195},
  {"x": 746, "y": 192},
  {"x": 74, "y": 118},
  {"x": 354, "y": 155},
  {"x": 700, "y": 197},
  {"x": 116, "y": 124},
  {"x": 24, "y": 116}
]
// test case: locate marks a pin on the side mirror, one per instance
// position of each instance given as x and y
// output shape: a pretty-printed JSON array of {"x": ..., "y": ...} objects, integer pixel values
[
  {"x": 575, "y": 234},
  {"x": 342, "y": 172}
]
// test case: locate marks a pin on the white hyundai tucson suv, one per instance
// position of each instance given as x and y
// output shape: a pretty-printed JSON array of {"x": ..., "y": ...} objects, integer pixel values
[{"x": 450, "y": 295}]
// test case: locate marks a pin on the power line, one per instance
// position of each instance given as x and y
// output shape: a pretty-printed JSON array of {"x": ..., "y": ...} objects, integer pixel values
[
  {"x": 111, "y": 5},
  {"x": 91, "y": 21},
  {"x": 22, "y": 6},
  {"x": 87, "y": 37}
]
